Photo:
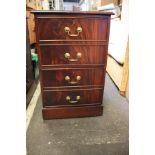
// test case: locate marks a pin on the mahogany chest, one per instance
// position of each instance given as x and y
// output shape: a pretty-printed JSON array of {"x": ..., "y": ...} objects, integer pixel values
[{"x": 72, "y": 49}]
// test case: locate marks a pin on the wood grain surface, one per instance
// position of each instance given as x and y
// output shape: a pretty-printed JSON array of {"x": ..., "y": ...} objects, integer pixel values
[
  {"x": 89, "y": 76},
  {"x": 54, "y": 55},
  {"x": 53, "y": 28},
  {"x": 53, "y": 42}
]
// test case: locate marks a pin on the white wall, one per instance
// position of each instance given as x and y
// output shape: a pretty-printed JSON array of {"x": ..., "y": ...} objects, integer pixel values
[
  {"x": 69, "y": 5},
  {"x": 125, "y": 13},
  {"x": 58, "y": 4}
]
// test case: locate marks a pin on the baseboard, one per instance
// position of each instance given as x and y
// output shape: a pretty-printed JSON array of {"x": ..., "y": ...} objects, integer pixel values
[
  {"x": 122, "y": 93},
  {"x": 72, "y": 112}
]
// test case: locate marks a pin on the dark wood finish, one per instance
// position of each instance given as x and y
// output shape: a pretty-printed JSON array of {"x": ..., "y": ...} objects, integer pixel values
[
  {"x": 57, "y": 25},
  {"x": 72, "y": 112},
  {"x": 87, "y": 97},
  {"x": 87, "y": 13},
  {"x": 54, "y": 55},
  {"x": 75, "y": 1},
  {"x": 89, "y": 76},
  {"x": 73, "y": 42},
  {"x": 53, "y": 42}
]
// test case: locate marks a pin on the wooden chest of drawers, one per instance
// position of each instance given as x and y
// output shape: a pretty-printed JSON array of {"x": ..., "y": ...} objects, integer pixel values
[{"x": 72, "y": 48}]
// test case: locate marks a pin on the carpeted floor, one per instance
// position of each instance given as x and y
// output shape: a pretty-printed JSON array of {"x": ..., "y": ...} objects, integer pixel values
[{"x": 103, "y": 135}]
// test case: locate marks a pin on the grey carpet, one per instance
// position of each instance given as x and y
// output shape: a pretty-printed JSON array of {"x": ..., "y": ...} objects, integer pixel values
[{"x": 103, "y": 135}]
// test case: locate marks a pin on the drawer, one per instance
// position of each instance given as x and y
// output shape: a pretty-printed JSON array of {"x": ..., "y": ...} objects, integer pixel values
[
  {"x": 83, "y": 28},
  {"x": 73, "y": 77},
  {"x": 63, "y": 54},
  {"x": 72, "y": 97}
]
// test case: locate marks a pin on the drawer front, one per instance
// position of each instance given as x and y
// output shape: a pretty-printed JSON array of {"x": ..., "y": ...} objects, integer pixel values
[
  {"x": 73, "y": 77},
  {"x": 72, "y": 97},
  {"x": 84, "y": 28},
  {"x": 63, "y": 54}
]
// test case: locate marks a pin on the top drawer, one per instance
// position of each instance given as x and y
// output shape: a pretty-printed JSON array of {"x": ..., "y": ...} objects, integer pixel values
[{"x": 67, "y": 28}]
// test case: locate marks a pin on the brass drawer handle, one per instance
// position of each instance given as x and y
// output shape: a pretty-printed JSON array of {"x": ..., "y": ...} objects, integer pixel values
[
  {"x": 78, "y": 78},
  {"x": 78, "y": 56},
  {"x": 68, "y": 98},
  {"x": 67, "y": 29}
]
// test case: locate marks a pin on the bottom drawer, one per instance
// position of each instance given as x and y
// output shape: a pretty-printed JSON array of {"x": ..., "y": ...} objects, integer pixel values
[{"x": 72, "y": 97}]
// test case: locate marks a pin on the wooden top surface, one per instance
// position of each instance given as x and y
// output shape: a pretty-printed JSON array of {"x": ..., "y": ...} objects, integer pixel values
[{"x": 72, "y": 12}]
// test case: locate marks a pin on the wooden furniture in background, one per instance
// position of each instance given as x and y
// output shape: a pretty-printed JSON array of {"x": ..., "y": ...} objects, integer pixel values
[
  {"x": 119, "y": 73},
  {"x": 107, "y": 2},
  {"x": 29, "y": 70},
  {"x": 72, "y": 48},
  {"x": 31, "y": 25},
  {"x": 32, "y": 5},
  {"x": 29, "y": 66},
  {"x": 31, "y": 82}
]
